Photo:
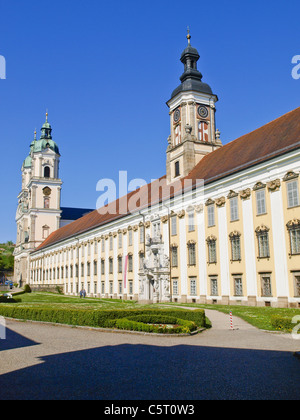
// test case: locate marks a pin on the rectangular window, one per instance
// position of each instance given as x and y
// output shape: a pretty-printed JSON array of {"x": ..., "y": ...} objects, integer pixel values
[
  {"x": 95, "y": 288},
  {"x": 193, "y": 286},
  {"x": 120, "y": 260},
  {"x": 82, "y": 270},
  {"x": 95, "y": 268},
  {"x": 130, "y": 237},
  {"x": 212, "y": 252},
  {"x": 295, "y": 240},
  {"x": 102, "y": 287},
  {"x": 263, "y": 245},
  {"x": 102, "y": 267},
  {"x": 266, "y": 288},
  {"x": 214, "y": 286},
  {"x": 173, "y": 225},
  {"x": 88, "y": 268},
  {"x": 175, "y": 286},
  {"x": 292, "y": 194},
  {"x": 120, "y": 287},
  {"x": 236, "y": 248},
  {"x": 141, "y": 260},
  {"x": 110, "y": 243},
  {"x": 234, "y": 210},
  {"x": 103, "y": 245},
  {"x": 174, "y": 253},
  {"x": 111, "y": 287},
  {"x": 130, "y": 263},
  {"x": 192, "y": 254},
  {"x": 120, "y": 240},
  {"x": 211, "y": 215},
  {"x": 177, "y": 169},
  {"x": 111, "y": 266},
  {"x": 261, "y": 202},
  {"x": 130, "y": 287},
  {"x": 297, "y": 284},
  {"x": 238, "y": 286},
  {"x": 191, "y": 222},
  {"x": 142, "y": 234}
]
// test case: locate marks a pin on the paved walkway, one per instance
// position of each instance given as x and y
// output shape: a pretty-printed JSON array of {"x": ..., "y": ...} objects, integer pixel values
[{"x": 41, "y": 361}]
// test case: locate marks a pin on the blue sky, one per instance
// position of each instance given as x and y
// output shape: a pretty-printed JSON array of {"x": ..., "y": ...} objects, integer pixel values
[{"x": 104, "y": 71}]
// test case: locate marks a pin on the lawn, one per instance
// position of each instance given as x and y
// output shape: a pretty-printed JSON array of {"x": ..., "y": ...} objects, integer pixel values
[
  {"x": 259, "y": 317},
  {"x": 53, "y": 300}
]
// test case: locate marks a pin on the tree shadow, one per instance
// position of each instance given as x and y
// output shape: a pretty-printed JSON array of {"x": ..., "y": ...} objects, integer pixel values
[{"x": 141, "y": 372}]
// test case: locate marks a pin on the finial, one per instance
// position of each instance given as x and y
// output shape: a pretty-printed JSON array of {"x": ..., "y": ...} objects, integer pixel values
[
  {"x": 188, "y": 35},
  {"x": 35, "y": 134},
  {"x": 47, "y": 115}
]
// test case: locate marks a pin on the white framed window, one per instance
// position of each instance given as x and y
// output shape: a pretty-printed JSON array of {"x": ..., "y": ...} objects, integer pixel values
[
  {"x": 193, "y": 286},
  {"x": 296, "y": 276},
  {"x": 211, "y": 215},
  {"x": 266, "y": 285},
  {"x": 130, "y": 237},
  {"x": 214, "y": 286},
  {"x": 263, "y": 244},
  {"x": 238, "y": 286},
  {"x": 174, "y": 255},
  {"x": 130, "y": 287},
  {"x": 120, "y": 239},
  {"x": 175, "y": 286},
  {"x": 212, "y": 250},
  {"x": 191, "y": 222},
  {"x": 142, "y": 234},
  {"x": 192, "y": 253},
  {"x": 292, "y": 193},
  {"x": 261, "y": 202},
  {"x": 294, "y": 233},
  {"x": 235, "y": 240},
  {"x": 234, "y": 209},
  {"x": 173, "y": 225}
]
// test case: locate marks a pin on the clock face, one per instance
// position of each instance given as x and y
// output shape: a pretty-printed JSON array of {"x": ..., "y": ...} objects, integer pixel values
[
  {"x": 202, "y": 111},
  {"x": 176, "y": 115}
]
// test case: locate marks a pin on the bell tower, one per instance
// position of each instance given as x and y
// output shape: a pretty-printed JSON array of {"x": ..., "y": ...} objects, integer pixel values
[
  {"x": 38, "y": 212},
  {"x": 192, "y": 119}
]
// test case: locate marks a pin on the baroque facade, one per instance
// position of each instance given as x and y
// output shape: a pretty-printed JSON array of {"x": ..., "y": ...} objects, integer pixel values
[{"x": 223, "y": 225}]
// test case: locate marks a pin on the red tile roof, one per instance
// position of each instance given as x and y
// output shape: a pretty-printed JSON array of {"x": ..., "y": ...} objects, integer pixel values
[{"x": 274, "y": 139}]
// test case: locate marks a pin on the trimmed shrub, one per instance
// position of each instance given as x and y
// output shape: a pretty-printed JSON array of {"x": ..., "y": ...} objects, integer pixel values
[
  {"x": 27, "y": 288},
  {"x": 152, "y": 323},
  {"x": 101, "y": 318}
]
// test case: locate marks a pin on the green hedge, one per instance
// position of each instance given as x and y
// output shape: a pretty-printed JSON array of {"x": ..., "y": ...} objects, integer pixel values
[
  {"x": 145, "y": 323},
  {"x": 95, "y": 318}
]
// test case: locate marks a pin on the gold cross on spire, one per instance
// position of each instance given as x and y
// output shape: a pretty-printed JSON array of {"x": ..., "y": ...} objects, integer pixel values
[{"x": 188, "y": 35}]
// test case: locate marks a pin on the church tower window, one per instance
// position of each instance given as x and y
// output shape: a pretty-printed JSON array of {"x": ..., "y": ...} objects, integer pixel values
[
  {"x": 177, "y": 169},
  {"x": 46, "y": 172}
]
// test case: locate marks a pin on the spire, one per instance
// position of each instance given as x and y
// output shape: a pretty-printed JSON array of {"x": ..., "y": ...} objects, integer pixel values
[
  {"x": 188, "y": 35},
  {"x": 46, "y": 129}
]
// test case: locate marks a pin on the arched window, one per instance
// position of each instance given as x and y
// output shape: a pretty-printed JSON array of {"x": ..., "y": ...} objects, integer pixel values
[{"x": 46, "y": 172}]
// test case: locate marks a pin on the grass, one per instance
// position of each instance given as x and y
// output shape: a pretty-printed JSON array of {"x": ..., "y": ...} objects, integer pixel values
[
  {"x": 53, "y": 300},
  {"x": 259, "y": 317}
]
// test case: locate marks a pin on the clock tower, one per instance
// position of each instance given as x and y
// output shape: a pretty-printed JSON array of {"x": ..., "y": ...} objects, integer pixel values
[
  {"x": 192, "y": 116},
  {"x": 38, "y": 213}
]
